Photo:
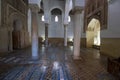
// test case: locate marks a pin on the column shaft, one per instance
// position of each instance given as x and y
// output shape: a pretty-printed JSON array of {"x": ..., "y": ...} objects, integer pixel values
[
  {"x": 65, "y": 35},
  {"x": 34, "y": 36},
  {"x": 46, "y": 34},
  {"x": 77, "y": 35}
]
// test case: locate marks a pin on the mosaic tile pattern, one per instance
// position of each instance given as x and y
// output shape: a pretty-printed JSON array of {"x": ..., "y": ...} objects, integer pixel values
[{"x": 55, "y": 63}]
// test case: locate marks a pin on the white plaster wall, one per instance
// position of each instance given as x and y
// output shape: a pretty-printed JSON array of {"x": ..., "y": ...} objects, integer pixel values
[
  {"x": 46, "y": 5},
  {"x": 41, "y": 26},
  {"x": 113, "y": 30},
  {"x": 57, "y": 4},
  {"x": 56, "y": 29},
  {"x": 80, "y": 3},
  {"x": 51, "y": 4},
  {"x": 35, "y": 2},
  {"x": 70, "y": 28}
]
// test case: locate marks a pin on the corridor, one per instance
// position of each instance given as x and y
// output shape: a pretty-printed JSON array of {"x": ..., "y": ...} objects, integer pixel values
[{"x": 55, "y": 63}]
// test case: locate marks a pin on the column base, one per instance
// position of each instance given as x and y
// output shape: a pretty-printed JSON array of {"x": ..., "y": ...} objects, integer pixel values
[
  {"x": 77, "y": 58},
  {"x": 10, "y": 50},
  {"x": 65, "y": 45}
]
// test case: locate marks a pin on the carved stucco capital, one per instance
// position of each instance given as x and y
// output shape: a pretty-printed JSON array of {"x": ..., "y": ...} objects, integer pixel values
[
  {"x": 77, "y": 10},
  {"x": 46, "y": 24},
  {"x": 65, "y": 25},
  {"x": 34, "y": 7}
]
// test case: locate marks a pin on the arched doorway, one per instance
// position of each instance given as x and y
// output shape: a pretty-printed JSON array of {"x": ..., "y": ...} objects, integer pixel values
[{"x": 93, "y": 34}]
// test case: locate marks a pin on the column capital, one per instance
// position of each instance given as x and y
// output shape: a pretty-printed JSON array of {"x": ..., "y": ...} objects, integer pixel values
[
  {"x": 77, "y": 9},
  {"x": 34, "y": 7},
  {"x": 65, "y": 25},
  {"x": 46, "y": 24}
]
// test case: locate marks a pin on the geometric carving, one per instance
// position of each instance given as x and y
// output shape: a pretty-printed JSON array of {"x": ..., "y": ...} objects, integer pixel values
[{"x": 97, "y": 9}]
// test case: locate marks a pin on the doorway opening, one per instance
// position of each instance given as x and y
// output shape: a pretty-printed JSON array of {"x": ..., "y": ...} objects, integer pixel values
[
  {"x": 16, "y": 34},
  {"x": 93, "y": 34}
]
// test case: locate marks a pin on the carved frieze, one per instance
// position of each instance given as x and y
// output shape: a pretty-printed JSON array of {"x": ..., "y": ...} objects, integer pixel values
[
  {"x": 96, "y": 9},
  {"x": 18, "y": 4}
]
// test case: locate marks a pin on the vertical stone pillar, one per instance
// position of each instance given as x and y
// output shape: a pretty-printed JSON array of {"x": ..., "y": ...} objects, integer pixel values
[
  {"x": 77, "y": 32},
  {"x": 65, "y": 35},
  {"x": 34, "y": 33},
  {"x": 46, "y": 34}
]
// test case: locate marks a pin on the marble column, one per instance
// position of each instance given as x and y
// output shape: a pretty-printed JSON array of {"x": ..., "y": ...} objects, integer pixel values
[
  {"x": 46, "y": 34},
  {"x": 34, "y": 33},
  {"x": 77, "y": 33},
  {"x": 65, "y": 35}
]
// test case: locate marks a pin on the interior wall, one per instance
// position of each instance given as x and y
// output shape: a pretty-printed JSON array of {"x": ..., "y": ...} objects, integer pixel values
[
  {"x": 9, "y": 14},
  {"x": 70, "y": 28},
  {"x": 57, "y": 4},
  {"x": 113, "y": 29},
  {"x": 79, "y": 2},
  {"x": 110, "y": 38},
  {"x": 56, "y": 29},
  {"x": 110, "y": 47},
  {"x": 50, "y": 5},
  {"x": 41, "y": 26},
  {"x": 3, "y": 40}
]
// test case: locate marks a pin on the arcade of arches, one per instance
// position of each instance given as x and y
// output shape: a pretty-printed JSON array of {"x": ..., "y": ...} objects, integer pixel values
[{"x": 59, "y": 39}]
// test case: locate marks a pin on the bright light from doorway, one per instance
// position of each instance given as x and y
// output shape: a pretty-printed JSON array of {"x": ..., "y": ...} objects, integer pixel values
[
  {"x": 97, "y": 39},
  {"x": 71, "y": 39}
]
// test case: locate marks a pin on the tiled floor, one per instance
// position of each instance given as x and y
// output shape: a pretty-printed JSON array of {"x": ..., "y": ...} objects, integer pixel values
[{"x": 55, "y": 63}]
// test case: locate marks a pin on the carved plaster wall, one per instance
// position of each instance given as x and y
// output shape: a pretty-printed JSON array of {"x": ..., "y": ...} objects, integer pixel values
[
  {"x": 12, "y": 11},
  {"x": 96, "y": 9}
]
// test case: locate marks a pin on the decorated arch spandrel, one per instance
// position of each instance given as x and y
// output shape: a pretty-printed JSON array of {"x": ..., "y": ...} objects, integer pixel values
[{"x": 96, "y": 9}]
